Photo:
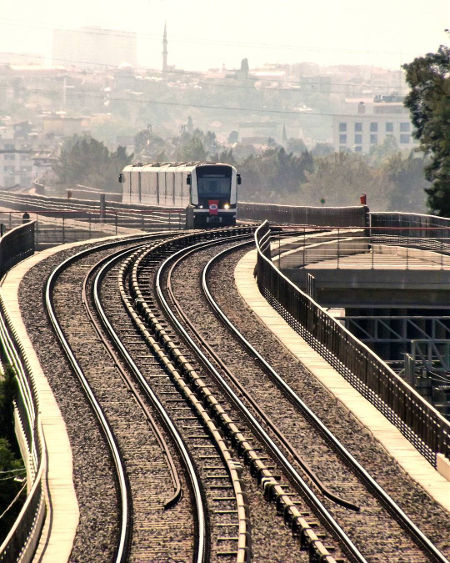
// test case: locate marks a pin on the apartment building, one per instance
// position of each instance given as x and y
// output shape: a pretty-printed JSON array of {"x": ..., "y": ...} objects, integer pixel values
[
  {"x": 16, "y": 161},
  {"x": 373, "y": 122}
]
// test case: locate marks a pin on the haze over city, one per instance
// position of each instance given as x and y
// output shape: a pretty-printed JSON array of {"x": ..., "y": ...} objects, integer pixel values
[{"x": 205, "y": 34}]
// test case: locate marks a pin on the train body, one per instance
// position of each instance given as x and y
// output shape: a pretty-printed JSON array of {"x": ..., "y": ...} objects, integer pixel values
[{"x": 207, "y": 191}]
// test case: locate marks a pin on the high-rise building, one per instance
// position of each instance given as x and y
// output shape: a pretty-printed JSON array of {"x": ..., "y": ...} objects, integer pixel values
[
  {"x": 94, "y": 47},
  {"x": 15, "y": 159}
]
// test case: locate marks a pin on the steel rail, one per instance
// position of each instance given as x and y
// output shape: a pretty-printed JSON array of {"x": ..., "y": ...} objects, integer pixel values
[
  {"x": 364, "y": 475},
  {"x": 310, "y": 495},
  {"x": 201, "y": 555},
  {"x": 289, "y": 447},
  {"x": 124, "y": 492},
  {"x": 125, "y": 376}
]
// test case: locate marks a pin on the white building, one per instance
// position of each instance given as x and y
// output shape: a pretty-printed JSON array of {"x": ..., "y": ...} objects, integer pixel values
[
  {"x": 372, "y": 124},
  {"x": 15, "y": 163}
]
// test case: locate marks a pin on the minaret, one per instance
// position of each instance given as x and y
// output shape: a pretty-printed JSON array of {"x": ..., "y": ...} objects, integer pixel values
[{"x": 164, "y": 53}]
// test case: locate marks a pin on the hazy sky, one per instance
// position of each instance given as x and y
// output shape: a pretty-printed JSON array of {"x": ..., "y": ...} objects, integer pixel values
[{"x": 206, "y": 34}]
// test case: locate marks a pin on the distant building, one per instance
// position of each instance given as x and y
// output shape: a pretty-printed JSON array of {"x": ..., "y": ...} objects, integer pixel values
[
  {"x": 16, "y": 161},
  {"x": 373, "y": 122},
  {"x": 62, "y": 126},
  {"x": 94, "y": 47}
]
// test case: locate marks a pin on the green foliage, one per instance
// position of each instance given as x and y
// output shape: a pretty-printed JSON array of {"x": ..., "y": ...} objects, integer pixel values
[
  {"x": 86, "y": 161},
  {"x": 11, "y": 466},
  {"x": 405, "y": 181},
  {"x": 340, "y": 179},
  {"x": 191, "y": 150},
  {"x": 394, "y": 184},
  {"x": 12, "y": 469},
  {"x": 8, "y": 391},
  {"x": 274, "y": 176},
  {"x": 429, "y": 104}
]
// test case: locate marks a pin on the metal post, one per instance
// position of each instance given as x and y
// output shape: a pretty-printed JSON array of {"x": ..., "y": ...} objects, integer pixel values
[
  {"x": 304, "y": 246},
  {"x": 279, "y": 251},
  {"x": 117, "y": 223},
  {"x": 372, "y": 251},
  {"x": 338, "y": 250},
  {"x": 63, "y": 232}
]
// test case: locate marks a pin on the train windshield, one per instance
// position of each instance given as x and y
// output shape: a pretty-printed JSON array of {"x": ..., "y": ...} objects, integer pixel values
[{"x": 214, "y": 182}]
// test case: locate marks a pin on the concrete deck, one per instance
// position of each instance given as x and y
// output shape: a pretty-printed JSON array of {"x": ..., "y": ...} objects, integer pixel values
[{"x": 391, "y": 438}]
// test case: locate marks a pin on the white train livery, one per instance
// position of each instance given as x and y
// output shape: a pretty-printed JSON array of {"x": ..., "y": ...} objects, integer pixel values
[{"x": 208, "y": 191}]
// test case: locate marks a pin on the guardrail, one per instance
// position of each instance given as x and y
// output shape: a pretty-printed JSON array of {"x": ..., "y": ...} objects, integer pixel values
[
  {"x": 427, "y": 232},
  {"x": 385, "y": 248},
  {"x": 66, "y": 220},
  {"x": 352, "y": 216},
  {"x": 16, "y": 245},
  {"x": 21, "y": 541},
  {"x": 418, "y": 421}
]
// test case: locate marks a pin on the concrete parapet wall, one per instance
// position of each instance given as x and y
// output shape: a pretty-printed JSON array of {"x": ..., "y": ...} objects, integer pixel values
[{"x": 443, "y": 466}]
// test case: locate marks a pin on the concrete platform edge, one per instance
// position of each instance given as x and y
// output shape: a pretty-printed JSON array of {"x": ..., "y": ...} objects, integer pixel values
[{"x": 385, "y": 432}]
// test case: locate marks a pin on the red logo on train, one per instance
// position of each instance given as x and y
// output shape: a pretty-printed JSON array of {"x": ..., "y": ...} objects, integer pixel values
[{"x": 213, "y": 206}]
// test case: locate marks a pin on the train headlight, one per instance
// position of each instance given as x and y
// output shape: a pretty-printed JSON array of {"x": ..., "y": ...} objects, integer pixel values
[
  {"x": 200, "y": 206},
  {"x": 226, "y": 206}
]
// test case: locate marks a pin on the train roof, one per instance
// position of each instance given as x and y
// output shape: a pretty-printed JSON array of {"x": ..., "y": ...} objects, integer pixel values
[{"x": 169, "y": 165}]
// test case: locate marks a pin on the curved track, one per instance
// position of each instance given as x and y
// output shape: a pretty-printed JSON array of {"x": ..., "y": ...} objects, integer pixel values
[{"x": 210, "y": 436}]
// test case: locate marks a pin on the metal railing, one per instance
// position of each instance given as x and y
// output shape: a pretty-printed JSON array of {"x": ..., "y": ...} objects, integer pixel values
[
  {"x": 418, "y": 421},
  {"x": 16, "y": 245},
  {"x": 356, "y": 216},
  {"x": 352, "y": 248},
  {"x": 427, "y": 232},
  {"x": 22, "y": 539}
]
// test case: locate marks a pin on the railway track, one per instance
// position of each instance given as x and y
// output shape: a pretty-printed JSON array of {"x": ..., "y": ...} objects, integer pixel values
[
  {"x": 252, "y": 451},
  {"x": 372, "y": 521}
]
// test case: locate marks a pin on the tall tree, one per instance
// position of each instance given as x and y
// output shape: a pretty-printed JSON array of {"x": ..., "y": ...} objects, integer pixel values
[
  {"x": 86, "y": 161},
  {"x": 429, "y": 104}
]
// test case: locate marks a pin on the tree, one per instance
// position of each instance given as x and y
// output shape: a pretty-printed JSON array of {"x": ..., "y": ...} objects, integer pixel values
[
  {"x": 192, "y": 150},
  {"x": 86, "y": 161},
  {"x": 429, "y": 104},
  {"x": 340, "y": 179},
  {"x": 404, "y": 178}
]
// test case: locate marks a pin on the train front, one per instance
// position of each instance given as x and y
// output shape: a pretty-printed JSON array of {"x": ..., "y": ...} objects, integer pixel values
[{"x": 214, "y": 194}]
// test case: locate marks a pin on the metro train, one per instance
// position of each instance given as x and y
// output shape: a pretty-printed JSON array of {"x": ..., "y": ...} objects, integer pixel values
[{"x": 207, "y": 191}]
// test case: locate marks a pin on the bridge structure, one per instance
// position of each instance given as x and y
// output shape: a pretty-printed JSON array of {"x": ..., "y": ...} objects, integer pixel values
[
  {"x": 389, "y": 286},
  {"x": 382, "y": 278}
]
